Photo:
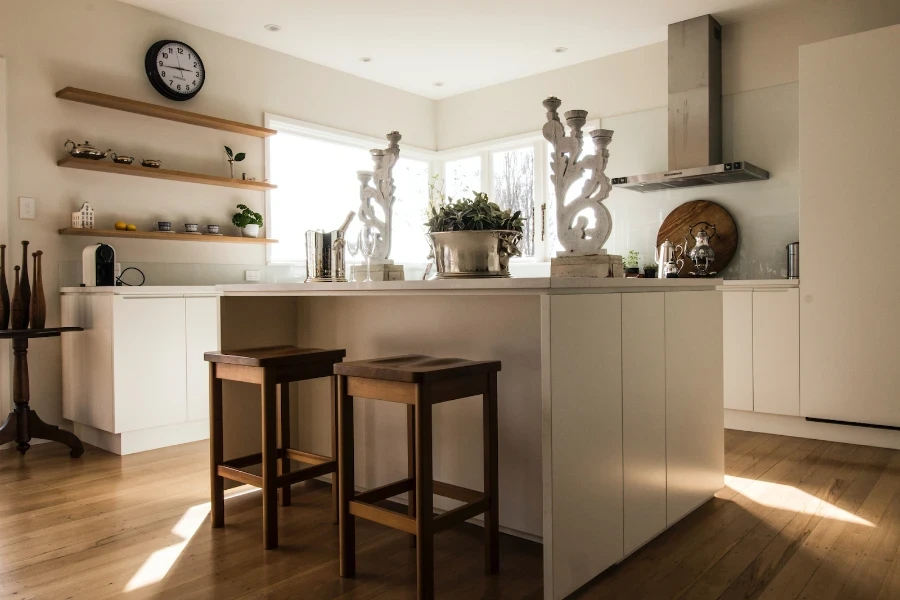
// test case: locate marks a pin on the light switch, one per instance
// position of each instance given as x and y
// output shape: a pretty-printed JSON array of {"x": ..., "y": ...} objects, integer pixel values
[{"x": 26, "y": 207}]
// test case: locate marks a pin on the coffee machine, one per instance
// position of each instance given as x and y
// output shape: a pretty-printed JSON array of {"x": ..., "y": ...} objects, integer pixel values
[{"x": 98, "y": 266}]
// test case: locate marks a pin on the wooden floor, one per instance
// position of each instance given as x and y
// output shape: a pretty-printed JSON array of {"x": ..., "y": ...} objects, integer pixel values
[{"x": 798, "y": 519}]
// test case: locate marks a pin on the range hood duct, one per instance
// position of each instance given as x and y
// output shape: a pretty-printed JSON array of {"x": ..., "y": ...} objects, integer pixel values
[{"x": 695, "y": 114}]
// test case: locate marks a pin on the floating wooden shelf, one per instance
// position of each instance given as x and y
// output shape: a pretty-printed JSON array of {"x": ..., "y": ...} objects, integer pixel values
[
  {"x": 161, "y": 112},
  {"x": 137, "y": 170},
  {"x": 157, "y": 235}
]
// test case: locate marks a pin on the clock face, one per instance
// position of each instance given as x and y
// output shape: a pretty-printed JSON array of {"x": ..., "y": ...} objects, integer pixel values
[{"x": 175, "y": 69}]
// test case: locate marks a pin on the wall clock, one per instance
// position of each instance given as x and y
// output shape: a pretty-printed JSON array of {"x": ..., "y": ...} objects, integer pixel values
[{"x": 174, "y": 69}]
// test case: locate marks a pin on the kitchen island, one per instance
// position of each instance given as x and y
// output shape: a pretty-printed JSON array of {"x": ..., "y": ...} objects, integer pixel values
[{"x": 610, "y": 396}]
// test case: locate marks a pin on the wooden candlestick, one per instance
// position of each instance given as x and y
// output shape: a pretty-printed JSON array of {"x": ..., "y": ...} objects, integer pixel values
[
  {"x": 17, "y": 312},
  {"x": 4, "y": 291},
  {"x": 25, "y": 286},
  {"x": 38, "y": 302}
]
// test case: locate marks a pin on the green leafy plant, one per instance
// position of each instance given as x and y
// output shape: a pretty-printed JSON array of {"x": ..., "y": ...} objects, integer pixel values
[
  {"x": 475, "y": 214},
  {"x": 246, "y": 217},
  {"x": 633, "y": 260},
  {"x": 235, "y": 157}
]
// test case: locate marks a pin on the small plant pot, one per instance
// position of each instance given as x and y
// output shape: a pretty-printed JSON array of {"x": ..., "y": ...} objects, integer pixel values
[
  {"x": 250, "y": 231},
  {"x": 632, "y": 272},
  {"x": 650, "y": 273}
]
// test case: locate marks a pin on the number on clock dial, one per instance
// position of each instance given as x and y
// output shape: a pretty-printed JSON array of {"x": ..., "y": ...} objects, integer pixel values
[{"x": 179, "y": 68}]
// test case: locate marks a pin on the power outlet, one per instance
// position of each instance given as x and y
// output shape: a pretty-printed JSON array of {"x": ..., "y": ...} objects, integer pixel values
[
  {"x": 118, "y": 269},
  {"x": 251, "y": 275},
  {"x": 26, "y": 207}
]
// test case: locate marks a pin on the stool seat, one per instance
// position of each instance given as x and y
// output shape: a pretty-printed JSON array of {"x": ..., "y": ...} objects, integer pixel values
[
  {"x": 274, "y": 356},
  {"x": 415, "y": 368}
]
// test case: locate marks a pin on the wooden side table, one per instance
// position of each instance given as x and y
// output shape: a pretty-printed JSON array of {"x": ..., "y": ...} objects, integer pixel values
[{"x": 22, "y": 424}]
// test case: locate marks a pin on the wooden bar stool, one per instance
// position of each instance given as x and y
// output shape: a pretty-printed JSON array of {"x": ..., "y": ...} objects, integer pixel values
[
  {"x": 419, "y": 382},
  {"x": 270, "y": 367}
]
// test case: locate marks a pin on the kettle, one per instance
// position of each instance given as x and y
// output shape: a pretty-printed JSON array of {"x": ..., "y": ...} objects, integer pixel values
[
  {"x": 702, "y": 254},
  {"x": 85, "y": 150},
  {"x": 670, "y": 254}
]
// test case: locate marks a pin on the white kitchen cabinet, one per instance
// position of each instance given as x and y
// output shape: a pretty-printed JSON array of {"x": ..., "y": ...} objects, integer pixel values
[
  {"x": 695, "y": 423},
  {"x": 737, "y": 342},
  {"x": 201, "y": 335},
  {"x": 644, "y": 416},
  {"x": 776, "y": 351},
  {"x": 135, "y": 379},
  {"x": 149, "y": 362}
]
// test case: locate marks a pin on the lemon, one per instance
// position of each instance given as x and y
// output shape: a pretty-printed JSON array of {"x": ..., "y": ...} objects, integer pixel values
[
  {"x": 131, "y": 227},
  {"x": 120, "y": 225}
]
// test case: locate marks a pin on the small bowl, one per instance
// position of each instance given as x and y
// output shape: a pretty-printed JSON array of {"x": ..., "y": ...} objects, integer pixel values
[
  {"x": 191, "y": 227},
  {"x": 164, "y": 226},
  {"x": 212, "y": 229},
  {"x": 151, "y": 163},
  {"x": 121, "y": 160}
]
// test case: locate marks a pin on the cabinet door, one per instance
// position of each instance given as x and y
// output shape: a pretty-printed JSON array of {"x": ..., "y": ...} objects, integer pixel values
[
  {"x": 585, "y": 429},
  {"x": 644, "y": 416},
  {"x": 737, "y": 348},
  {"x": 202, "y": 335},
  {"x": 695, "y": 417},
  {"x": 149, "y": 359},
  {"x": 776, "y": 351}
]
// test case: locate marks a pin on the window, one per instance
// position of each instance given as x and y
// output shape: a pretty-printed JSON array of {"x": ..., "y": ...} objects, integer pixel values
[{"x": 315, "y": 170}]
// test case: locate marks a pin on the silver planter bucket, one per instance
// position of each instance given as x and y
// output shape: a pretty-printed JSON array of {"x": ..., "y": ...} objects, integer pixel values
[
  {"x": 474, "y": 254},
  {"x": 325, "y": 256}
]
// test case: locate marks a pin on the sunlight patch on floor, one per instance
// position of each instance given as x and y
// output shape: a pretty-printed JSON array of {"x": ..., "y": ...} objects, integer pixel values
[
  {"x": 786, "y": 497},
  {"x": 158, "y": 564}
]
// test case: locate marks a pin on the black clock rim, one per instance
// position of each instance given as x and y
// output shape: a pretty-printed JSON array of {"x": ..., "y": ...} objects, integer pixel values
[{"x": 156, "y": 81}]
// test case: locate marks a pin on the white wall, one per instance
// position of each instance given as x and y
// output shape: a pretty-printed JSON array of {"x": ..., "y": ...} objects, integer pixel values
[
  {"x": 100, "y": 45},
  {"x": 5, "y": 364}
]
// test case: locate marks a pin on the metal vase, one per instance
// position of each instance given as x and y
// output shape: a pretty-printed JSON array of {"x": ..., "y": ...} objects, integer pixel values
[
  {"x": 325, "y": 257},
  {"x": 474, "y": 254}
]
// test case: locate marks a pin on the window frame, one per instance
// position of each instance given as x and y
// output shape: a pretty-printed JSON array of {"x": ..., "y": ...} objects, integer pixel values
[{"x": 436, "y": 166}]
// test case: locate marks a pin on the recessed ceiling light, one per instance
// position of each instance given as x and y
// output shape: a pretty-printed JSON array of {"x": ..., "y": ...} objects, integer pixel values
[
  {"x": 560, "y": 49},
  {"x": 272, "y": 27},
  {"x": 365, "y": 59},
  {"x": 438, "y": 84}
]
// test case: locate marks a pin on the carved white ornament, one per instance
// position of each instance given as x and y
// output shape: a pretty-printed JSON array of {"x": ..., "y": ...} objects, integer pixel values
[
  {"x": 381, "y": 192},
  {"x": 565, "y": 168}
]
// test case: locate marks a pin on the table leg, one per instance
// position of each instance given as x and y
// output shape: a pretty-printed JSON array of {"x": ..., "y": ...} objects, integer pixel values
[{"x": 39, "y": 429}]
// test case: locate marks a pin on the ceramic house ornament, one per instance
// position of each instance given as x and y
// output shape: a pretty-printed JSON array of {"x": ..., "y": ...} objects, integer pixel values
[
  {"x": 583, "y": 254},
  {"x": 83, "y": 218}
]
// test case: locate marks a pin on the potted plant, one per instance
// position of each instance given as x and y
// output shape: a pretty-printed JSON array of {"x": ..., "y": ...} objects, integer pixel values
[
  {"x": 650, "y": 270},
  {"x": 248, "y": 221},
  {"x": 473, "y": 237},
  {"x": 632, "y": 263}
]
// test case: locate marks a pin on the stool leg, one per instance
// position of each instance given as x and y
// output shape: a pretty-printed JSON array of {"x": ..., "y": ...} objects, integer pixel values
[
  {"x": 285, "y": 440},
  {"x": 216, "y": 452},
  {"x": 411, "y": 462},
  {"x": 269, "y": 463},
  {"x": 334, "y": 450},
  {"x": 346, "y": 480},
  {"x": 424, "y": 500},
  {"x": 491, "y": 484}
]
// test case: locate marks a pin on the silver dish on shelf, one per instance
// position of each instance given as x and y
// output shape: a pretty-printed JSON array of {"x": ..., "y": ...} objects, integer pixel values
[
  {"x": 85, "y": 150},
  {"x": 151, "y": 163},
  {"x": 121, "y": 160},
  {"x": 474, "y": 254}
]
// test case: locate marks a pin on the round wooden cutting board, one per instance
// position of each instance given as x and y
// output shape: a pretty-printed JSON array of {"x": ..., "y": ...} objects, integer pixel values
[{"x": 677, "y": 226}]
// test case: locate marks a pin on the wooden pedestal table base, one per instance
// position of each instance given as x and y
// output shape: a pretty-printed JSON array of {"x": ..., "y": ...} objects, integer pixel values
[{"x": 23, "y": 424}]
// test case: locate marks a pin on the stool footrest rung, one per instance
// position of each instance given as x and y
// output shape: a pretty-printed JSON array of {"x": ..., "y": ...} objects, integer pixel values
[
  {"x": 386, "y": 491},
  {"x": 383, "y": 516},
  {"x": 448, "y": 490},
  {"x": 460, "y": 514},
  {"x": 308, "y": 458},
  {"x": 233, "y": 474},
  {"x": 306, "y": 474}
]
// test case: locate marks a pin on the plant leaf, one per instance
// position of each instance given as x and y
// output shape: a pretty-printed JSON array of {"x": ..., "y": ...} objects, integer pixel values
[
  {"x": 240, "y": 156},
  {"x": 229, "y": 152}
]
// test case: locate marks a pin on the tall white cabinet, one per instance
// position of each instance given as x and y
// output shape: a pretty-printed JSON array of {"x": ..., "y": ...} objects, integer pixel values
[
  {"x": 136, "y": 379},
  {"x": 849, "y": 213}
]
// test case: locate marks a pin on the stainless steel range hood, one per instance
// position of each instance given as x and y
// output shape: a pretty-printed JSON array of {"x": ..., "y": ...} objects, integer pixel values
[{"x": 695, "y": 115}]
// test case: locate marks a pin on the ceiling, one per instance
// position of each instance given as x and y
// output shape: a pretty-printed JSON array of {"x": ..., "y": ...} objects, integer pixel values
[{"x": 462, "y": 44}]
